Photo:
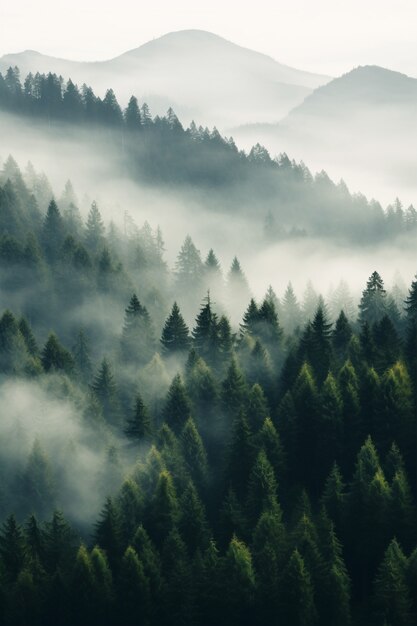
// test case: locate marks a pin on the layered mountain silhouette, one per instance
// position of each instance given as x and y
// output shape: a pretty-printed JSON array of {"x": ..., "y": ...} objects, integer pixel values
[
  {"x": 201, "y": 75},
  {"x": 361, "y": 126}
]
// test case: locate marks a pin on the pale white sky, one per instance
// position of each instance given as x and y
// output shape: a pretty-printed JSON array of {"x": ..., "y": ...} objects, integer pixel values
[{"x": 326, "y": 36}]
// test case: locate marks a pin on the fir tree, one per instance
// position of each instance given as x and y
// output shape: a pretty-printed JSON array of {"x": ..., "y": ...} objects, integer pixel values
[
  {"x": 175, "y": 334},
  {"x": 177, "y": 407},
  {"x": 139, "y": 426}
]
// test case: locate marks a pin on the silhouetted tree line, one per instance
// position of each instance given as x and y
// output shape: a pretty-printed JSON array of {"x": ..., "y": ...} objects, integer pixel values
[
  {"x": 275, "y": 471},
  {"x": 161, "y": 151}
]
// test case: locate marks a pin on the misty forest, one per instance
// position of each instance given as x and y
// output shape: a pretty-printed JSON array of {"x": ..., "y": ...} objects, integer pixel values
[{"x": 175, "y": 448}]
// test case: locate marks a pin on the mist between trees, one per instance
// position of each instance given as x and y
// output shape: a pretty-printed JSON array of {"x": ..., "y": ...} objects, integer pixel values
[
  {"x": 176, "y": 452},
  {"x": 277, "y": 193}
]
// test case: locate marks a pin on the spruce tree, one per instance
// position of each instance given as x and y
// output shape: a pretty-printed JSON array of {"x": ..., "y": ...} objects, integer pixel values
[
  {"x": 373, "y": 302},
  {"x": 192, "y": 523},
  {"x": 175, "y": 335},
  {"x": 177, "y": 407},
  {"x": 133, "y": 591},
  {"x": 194, "y": 454},
  {"x": 55, "y": 357},
  {"x": 95, "y": 230},
  {"x": 164, "y": 509},
  {"x": 239, "y": 583},
  {"x": 139, "y": 425},
  {"x": 392, "y": 598},
  {"x": 297, "y": 594}
]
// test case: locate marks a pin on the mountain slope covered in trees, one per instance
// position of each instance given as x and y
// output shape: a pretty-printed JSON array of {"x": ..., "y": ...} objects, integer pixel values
[
  {"x": 255, "y": 473},
  {"x": 202, "y": 75},
  {"x": 277, "y": 192}
]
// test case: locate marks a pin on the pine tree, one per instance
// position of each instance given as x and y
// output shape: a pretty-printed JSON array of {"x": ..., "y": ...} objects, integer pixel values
[
  {"x": 38, "y": 488},
  {"x": 240, "y": 456},
  {"x": 150, "y": 559},
  {"x": 55, "y": 357},
  {"x": 108, "y": 532},
  {"x": 103, "y": 594},
  {"x": 12, "y": 550},
  {"x": 330, "y": 426},
  {"x": 194, "y": 454},
  {"x": 176, "y": 605},
  {"x": 134, "y": 592},
  {"x": 392, "y": 597},
  {"x": 53, "y": 232},
  {"x": 238, "y": 583},
  {"x": 373, "y": 302},
  {"x": 369, "y": 503},
  {"x": 189, "y": 266},
  {"x": 105, "y": 390},
  {"x": 81, "y": 352},
  {"x": 139, "y": 425},
  {"x": 334, "y": 497},
  {"x": 291, "y": 311},
  {"x": 177, "y": 407},
  {"x": 234, "y": 390},
  {"x": 175, "y": 335},
  {"x": 269, "y": 549},
  {"x": 192, "y": 523},
  {"x": 95, "y": 229},
  {"x": 297, "y": 594},
  {"x": 132, "y": 116},
  {"x": 60, "y": 543},
  {"x": 336, "y": 589},
  {"x": 341, "y": 337},
  {"x": 205, "y": 334},
  {"x": 29, "y": 337},
  {"x": 130, "y": 507},
  {"x": 164, "y": 510},
  {"x": 82, "y": 588},
  {"x": 268, "y": 439},
  {"x": 250, "y": 319},
  {"x": 306, "y": 402},
  {"x": 262, "y": 489},
  {"x": 138, "y": 337}
]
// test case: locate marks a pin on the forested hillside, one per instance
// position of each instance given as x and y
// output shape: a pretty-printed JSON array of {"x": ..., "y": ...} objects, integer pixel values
[
  {"x": 164, "y": 465},
  {"x": 276, "y": 192}
]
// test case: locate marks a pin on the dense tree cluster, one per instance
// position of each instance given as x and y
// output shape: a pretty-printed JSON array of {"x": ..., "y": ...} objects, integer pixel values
[
  {"x": 273, "y": 478},
  {"x": 159, "y": 150}
]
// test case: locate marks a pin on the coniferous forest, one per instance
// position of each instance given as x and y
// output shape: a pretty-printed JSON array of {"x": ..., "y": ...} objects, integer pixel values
[{"x": 182, "y": 454}]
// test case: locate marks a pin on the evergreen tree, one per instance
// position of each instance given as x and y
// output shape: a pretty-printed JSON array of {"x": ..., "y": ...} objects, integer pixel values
[
  {"x": 239, "y": 583},
  {"x": 291, "y": 310},
  {"x": 189, "y": 266},
  {"x": 108, "y": 532},
  {"x": 175, "y": 335},
  {"x": 12, "y": 549},
  {"x": 134, "y": 592},
  {"x": 55, "y": 357},
  {"x": 297, "y": 595},
  {"x": 53, "y": 232},
  {"x": 373, "y": 302},
  {"x": 262, "y": 489},
  {"x": 82, "y": 359},
  {"x": 139, "y": 426},
  {"x": 132, "y": 116},
  {"x": 138, "y": 337},
  {"x": 192, "y": 523},
  {"x": 95, "y": 229},
  {"x": 164, "y": 511},
  {"x": 105, "y": 390},
  {"x": 177, "y": 407},
  {"x": 194, "y": 454},
  {"x": 38, "y": 489},
  {"x": 392, "y": 597}
]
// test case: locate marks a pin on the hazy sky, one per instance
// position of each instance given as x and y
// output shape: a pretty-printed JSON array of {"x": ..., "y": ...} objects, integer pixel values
[{"x": 327, "y": 36}]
